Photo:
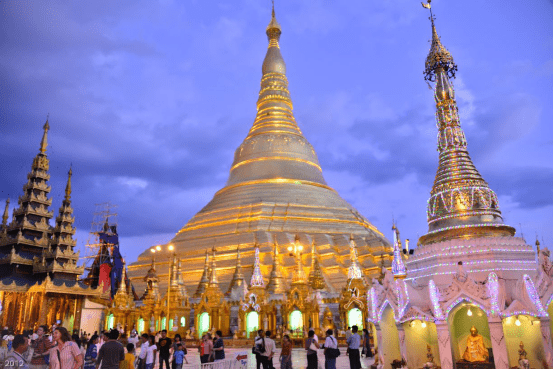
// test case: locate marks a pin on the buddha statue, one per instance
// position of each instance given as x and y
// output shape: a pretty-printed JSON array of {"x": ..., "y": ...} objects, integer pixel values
[
  {"x": 475, "y": 349},
  {"x": 523, "y": 362}
]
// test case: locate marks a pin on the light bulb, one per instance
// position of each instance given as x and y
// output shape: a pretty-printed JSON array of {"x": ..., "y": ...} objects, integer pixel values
[
  {"x": 159, "y": 248},
  {"x": 153, "y": 250},
  {"x": 170, "y": 247},
  {"x": 423, "y": 325},
  {"x": 518, "y": 323},
  {"x": 469, "y": 313}
]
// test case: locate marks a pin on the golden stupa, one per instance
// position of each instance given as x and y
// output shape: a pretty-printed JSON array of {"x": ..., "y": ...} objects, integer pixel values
[{"x": 275, "y": 192}]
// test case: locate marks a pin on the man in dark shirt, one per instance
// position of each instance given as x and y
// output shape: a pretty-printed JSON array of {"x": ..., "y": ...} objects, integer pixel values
[
  {"x": 165, "y": 345},
  {"x": 111, "y": 352},
  {"x": 218, "y": 346}
]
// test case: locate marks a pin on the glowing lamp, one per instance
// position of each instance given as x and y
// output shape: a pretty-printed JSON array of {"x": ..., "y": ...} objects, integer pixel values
[
  {"x": 423, "y": 325},
  {"x": 469, "y": 313},
  {"x": 153, "y": 250},
  {"x": 518, "y": 323},
  {"x": 159, "y": 248},
  {"x": 170, "y": 247}
]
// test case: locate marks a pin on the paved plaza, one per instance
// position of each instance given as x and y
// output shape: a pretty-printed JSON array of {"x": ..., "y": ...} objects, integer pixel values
[{"x": 298, "y": 359}]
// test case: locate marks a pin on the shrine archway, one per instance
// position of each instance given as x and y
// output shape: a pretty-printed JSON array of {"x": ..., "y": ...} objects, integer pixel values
[
  {"x": 389, "y": 336},
  {"x": 252, "y": 323},
  {"x": 524, "y": 329},
  {"x": 203, "y": 323},
  {"x": 460, "y": 320},
  {"x": 295, "y": 321},
  {"x": 140, "y": 326},
  {"x": 110, "y": 322},
  {"x": 355, "y": 317},
  {"x": 421, "y": 341}
]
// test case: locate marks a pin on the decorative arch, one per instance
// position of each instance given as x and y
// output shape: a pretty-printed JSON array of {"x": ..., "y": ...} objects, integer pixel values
[
  {"x": 382, "y": 309},
  {"x": 453, "y": 304}
]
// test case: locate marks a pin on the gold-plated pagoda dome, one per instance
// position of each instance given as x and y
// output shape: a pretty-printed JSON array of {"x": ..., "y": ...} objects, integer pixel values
[
  {"x": 275, "y": 190},
  {"x": 461, "y": 202}
]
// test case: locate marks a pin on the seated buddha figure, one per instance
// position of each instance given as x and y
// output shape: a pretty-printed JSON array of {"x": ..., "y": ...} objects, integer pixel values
[{"x": 475, "y": 349}]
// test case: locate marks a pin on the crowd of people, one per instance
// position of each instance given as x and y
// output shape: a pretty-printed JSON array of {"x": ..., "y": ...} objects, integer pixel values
[{"x": 114, "y": 350}]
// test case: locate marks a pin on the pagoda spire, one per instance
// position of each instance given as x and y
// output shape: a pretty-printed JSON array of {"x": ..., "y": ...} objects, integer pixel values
[
  {"x": 461, "y": 202},
  {"x": 122, "y": 286},
  {"x": 299, "y": 276},
  {"x": 276, "y": 284},
  {"x": 317, "y": 281},
  {"x": 174, "y": 286},
  {"x": 68, "y": 185},
  {"x": 257, "y": 279},
  {"x": 312, "y": 268},
  {"x": 238, "y": 278},
  {"x": 398, "y": 266},
  {"x": 182, "y": 288},
  {"x": 213, "y": 276},
  {"x": 44, "y": 141},
  {"x": 204, "y": 281},
  {"x": 6, "y": 215},
  {"x": 354, "y": 271},
  {"x": 285, "y": 155},
  {"x": 152, "y": 293}
]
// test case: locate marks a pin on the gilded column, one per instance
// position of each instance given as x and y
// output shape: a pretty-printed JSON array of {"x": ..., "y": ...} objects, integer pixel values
[{"x": 445, "y": 348}]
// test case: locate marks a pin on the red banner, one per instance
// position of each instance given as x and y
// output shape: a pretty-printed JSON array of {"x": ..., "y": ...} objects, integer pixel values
[{"x": 105, "y": 276}]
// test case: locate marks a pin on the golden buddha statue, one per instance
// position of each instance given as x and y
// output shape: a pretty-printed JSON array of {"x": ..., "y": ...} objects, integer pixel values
[{"x": 475, "y": 349}]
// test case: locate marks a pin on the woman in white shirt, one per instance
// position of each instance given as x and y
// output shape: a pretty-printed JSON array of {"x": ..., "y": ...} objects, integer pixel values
[{"x": 151, "y": 353}]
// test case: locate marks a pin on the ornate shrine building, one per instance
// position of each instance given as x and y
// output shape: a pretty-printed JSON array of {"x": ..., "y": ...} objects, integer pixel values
[
  {"x": 39, "y": 272},
  {"x": 275, "y": 200},
  {"x": 472, "y": 293}
]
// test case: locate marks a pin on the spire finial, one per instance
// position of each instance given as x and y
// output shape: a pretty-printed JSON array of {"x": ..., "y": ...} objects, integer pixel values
[
  {"x": 354, "y": 272},
  {"x": 6, "y": 213},
  {"x": 272, "y": 9},
  {"x": 68, "y": 185},
  {"x": 44, "y": 141},
  {"x": 213, "y": 275},
  {"x": 398, "y": 266},
  {"x": 438, "y": 57},
  {"x": 257, "y": 279}
]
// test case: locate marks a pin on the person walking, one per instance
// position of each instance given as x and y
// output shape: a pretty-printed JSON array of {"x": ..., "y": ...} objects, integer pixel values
[
  {"x": 66, "y": 354},
  {"x": 206, "y": 348},
  {"x": 143, "y": 351},
  {"x": 259, "y": 349},
  {"x": 219, "y": 349},
  {"x": 151, "y": 352},
  {"x": 286, "y": 351},
  {"x": 41, "y": 346},
  {"x": 311, "y": 347},
  {"x": 164, "y": 344},
  {"x": 353, "y": 343},
  {"x": 178, "y": 356},
  {"x": 331, "y": 345},
  {"x": 92, "y": 353},
  {"x": 111, "y": 352},
  {"x": 269, "y": 351},
  {"x": 366, "y": 344},
  {"x": 129, "y": 362},
  {"x": 348, "y": 333},
  {"x": 15, "y": 358}
]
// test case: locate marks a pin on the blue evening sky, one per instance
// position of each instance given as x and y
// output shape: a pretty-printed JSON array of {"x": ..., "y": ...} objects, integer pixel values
[{"x": 149, "y": 99}]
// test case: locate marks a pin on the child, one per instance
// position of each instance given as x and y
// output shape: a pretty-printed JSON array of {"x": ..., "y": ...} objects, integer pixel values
[
  {"x": 178, "y": 356},
  {"x": 129, "y": 361}
]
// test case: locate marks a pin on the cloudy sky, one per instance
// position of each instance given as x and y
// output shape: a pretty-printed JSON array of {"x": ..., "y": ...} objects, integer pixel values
[{"x": 149, "y": 99}]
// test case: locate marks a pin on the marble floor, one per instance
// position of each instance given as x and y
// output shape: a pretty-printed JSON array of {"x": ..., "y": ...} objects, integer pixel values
[{"x": 298, "y": 359}]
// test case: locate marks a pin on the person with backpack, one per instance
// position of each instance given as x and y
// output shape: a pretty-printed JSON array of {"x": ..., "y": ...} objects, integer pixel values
[
  {"x": 331, "y": 350},
  {"x": 259, "y": 349},
  {"x": 311, "y": 347}
]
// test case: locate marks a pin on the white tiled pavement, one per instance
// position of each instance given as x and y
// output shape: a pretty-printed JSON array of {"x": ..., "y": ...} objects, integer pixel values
[{"x": 298, "y": 359}]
